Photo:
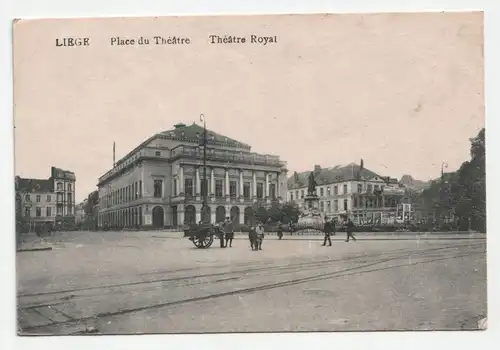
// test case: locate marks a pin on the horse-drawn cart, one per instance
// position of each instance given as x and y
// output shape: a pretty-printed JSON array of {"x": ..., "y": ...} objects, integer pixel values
[{"x": 202, "y": 235}]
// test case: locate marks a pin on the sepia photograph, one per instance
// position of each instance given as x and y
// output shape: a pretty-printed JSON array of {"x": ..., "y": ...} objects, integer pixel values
[{"x": 250, "y": 173}]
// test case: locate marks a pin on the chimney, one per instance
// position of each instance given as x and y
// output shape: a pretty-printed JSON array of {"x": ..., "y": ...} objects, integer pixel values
[{"x": 317, "y": 169}]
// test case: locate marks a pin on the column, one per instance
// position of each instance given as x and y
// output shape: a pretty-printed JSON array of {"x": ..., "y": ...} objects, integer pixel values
[
  {"x": 181, "y": 180},
  {"x": 180, "y": 215},
  {"x": 198, "y": 183},
  {"x": 241, "y": 184},
  {"x": 212, "y": 215},
  {"x": 198, "y": 215},
  {"x": 212, "y": 182},
  {"x": 278, "y": 187},
  {"x": 227, "y": 183},
  {"x": 266, "y": 195},
  {"x": 254, "y": 189},
  {"x": 242, "y": 215}
]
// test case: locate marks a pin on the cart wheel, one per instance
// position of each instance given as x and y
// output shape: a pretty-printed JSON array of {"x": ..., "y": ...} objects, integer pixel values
[{"x": 203, "y": 241}]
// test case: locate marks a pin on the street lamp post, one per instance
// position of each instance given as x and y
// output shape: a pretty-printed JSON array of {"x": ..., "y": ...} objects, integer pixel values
[{"x": 204, "y": 187}]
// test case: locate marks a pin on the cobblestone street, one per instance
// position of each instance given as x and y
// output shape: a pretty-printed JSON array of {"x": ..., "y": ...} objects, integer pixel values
[{"x": 154, "y": 282}]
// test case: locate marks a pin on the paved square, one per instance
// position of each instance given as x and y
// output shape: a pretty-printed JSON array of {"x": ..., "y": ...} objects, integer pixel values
[{"x": 152, "y": 282}]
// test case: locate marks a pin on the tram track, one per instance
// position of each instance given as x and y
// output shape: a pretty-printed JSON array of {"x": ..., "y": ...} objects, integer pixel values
[{"x": 363, "y": 263}]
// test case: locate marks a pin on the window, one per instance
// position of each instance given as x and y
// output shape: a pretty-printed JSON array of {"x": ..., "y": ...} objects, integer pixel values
[
  {"x": 376, "y": 187},
  {"x": 335, "y": 205},
  {"x": 335, "y": 190},
  {"x": 302, "y": 194},
  {"x": 260, "y": 190},
  {"x": 38, "y": 212},
  {"x": 328, "y": 191},
  {"x": 69, "y": 195},
  {"x": 158, "y": 188},
  {"x": 355, "y": 203},
  {"x": 59, "y": 186},
  {"x": 27, "y": 212},
  {"x": 59, "y": 210},
  {"x": 59, "y": 197},
  {"x": 291, "y": 196},
  {"x": 140, "y": 188},
  {"x": 136, "y": 190},
  {"x": 232, "y": 188},
  {"x": 345, "y": 203},
  {"x": 272, "y": 190},
  {"x": 322, "y": 206},
  {"x": 321, "y": 192},
  {"x": 70, "y": 210},
  {"x": 204, "y": 187},
  {"x": 49, "y": 198},
  {"x": 69, "y": 187},
  {"x": 246, "y": 190},
  {"x": 188, "y": 187},
  {"x": 38, "y": 198},
  {"x": 369, "y": 188},
  {"x": 157, "y": 153},
  {"x": 175, "y": 188},
  {"x": 297, "y": 194},
  {"x": 218, "y": 188},
  {"x": 329, "y": 206},
  {"x": 360, "y": 188},
  {"x": 49, "y": 211},
  {"x": 28, "y": 198},
  {"x": 345, "y": 189}
]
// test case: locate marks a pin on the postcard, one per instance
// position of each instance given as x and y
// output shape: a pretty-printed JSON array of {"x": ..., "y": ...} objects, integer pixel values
[{"x": 250, "y": 173}]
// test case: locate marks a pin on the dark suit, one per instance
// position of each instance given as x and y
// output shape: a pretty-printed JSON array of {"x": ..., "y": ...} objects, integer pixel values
[{"x": 328, "y": 230}]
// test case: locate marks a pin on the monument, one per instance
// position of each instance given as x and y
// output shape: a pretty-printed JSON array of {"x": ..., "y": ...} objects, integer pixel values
[{"x": 310, "y": 217}]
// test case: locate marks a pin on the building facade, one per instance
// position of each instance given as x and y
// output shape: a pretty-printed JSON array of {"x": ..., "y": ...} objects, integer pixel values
[
  {"x": 161, "y": 182},
  {"x": 46, "y": 201},
  {"x": 352, "y": 191}
]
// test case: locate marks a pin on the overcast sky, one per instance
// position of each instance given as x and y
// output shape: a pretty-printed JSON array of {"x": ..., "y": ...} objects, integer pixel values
[{"x": 402, "y": 91}]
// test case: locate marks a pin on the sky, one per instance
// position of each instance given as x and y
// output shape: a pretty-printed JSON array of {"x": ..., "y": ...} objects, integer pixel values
[{"x": 402, "y": 91}]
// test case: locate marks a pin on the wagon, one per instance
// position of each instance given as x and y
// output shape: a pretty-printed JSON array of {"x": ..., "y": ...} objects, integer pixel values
[{"x": 202, "y": 235}]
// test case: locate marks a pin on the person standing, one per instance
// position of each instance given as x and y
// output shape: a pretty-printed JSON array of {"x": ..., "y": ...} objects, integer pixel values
[
  {"x": 349, "y": 230},
  {"x": 221, "y": 234},
  {"x": 229, "y": 231},
  {"x": 280, "y": 230},
  {"x": 260, "y": 235},
  {"x": 327, "y": 229}
]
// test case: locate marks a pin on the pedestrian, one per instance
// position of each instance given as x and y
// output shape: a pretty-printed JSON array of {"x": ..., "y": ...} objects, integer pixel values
[
  {"x": 252, "y": 237},
  {"x": 327, "y": 229},
  {"x": 260, "y": 235},
  {"x": 349, "y": 230},
  {"x": 221, "y": 234},
  {"x": 280, "y": 230},
  {"x": 229, "y": 231}
]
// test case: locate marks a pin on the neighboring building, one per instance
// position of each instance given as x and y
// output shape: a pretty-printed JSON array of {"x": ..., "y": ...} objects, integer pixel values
[
  {"x": 47, "y": 200},
  {"x": 160, "y": 183},
  {"x": 80, "y": 212},
  {"x": 352, "y": 191}
]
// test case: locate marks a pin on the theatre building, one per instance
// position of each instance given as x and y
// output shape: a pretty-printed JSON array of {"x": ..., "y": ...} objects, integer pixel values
[{"x": 160, "y": 183}]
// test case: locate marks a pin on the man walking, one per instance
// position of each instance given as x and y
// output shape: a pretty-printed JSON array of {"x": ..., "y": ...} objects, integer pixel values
[
  {"x": 260, "y": 235},
  {"x": 349, "y": 230},
  {"x": 229, "y": 231},
  {"x": 280, "y": 230}
]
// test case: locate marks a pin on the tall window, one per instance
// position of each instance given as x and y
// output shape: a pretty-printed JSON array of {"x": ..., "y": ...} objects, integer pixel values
[
  {"x": 28, "y": 198},
  {"x": 329, "y": 206},
  {"x": 336, "y": 205},
  {"x": 218, "y": 188},
  {"x": 136, "y": 190},
  {"x": 204, "y": 187},
  {"x": 49, "y": 211},
  {"x": 322, "y": 206},
  {"x": 158, "y": 188},
  {"x": 175, "y": 188},
  {"x": 328, "y": 191},
  {"x": 140, "y": 188},
  {"x": 59, "y": 186},
  {"x": 38, "y": 212},
  {"x": 59, "y": 210},
  {"x": 297, "y": 194},
  {"x": 188, "y": 187},
  {"x": 291, "y": 196},
  {"x": 360, "y": 188},
  {"x": 70, "y": 196},
  {"x": 345, "y": 204},
  {"x": 232, "y": 188},
  {"x": 302, "y": 194},
  {"x": 59, "y": 197},
  {"x": 260, "y": 190},
  {"x": 38, "y": 198},
  {"x": 27, "y": 212},
  {"x": 345, "y": 189},
  {"x": 321, "y": 192},
  {"x": 355, "y": 203},
  {"x": 49, "y": 198},
  {"x": 69, "y": 187},
  {"x": 70, "y": 210},
  {"x": 272, "y": 189},
  {"x": 246, "y": 190},
  {"x": 369, "y": 188},
  {"x": 335, "y": 190}
]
